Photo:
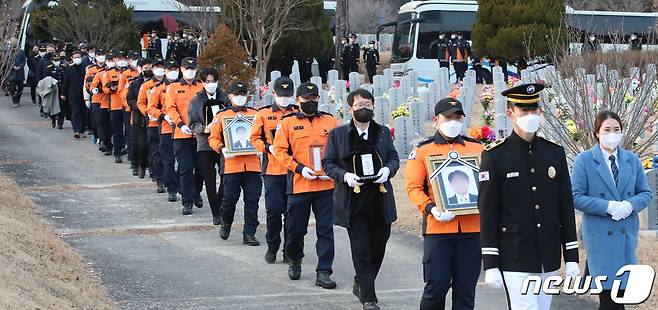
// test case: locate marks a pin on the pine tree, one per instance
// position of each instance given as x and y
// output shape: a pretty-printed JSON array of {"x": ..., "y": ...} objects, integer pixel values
[
  {"x": 231, "y": 60},
  {"x": 516, "y": 30}
]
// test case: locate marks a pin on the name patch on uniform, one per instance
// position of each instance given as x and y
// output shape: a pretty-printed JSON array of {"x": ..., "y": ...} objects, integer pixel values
[
  {"x": 181, "y": 91},
  {"x": 298, "y": 127},
  {"x": 512, "y": 175},
  {"x": 271, "y": 117},
  {"x": 483, "y": 176}
]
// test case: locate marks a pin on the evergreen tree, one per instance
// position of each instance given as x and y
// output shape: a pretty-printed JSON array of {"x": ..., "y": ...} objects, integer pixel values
[
  {"x": 516, "y": 30},
  {"x": 225, "y": 54}
]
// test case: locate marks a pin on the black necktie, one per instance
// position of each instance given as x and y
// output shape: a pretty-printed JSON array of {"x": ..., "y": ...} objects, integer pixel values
[
  {"x": 613, "y": 167},
  {"x": 363, "y": 135}
]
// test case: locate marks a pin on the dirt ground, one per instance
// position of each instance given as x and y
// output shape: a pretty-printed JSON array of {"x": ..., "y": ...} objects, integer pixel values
[{"x": 38, "y": 270}]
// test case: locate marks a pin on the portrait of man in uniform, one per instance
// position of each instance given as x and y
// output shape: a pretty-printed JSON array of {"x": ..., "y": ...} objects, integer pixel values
[
  {"x": 236, "y": 134},
  {"x": 454, "y": 182},
  {"x": 459, "y": 182},
  {"x": 241, "y": 138}
]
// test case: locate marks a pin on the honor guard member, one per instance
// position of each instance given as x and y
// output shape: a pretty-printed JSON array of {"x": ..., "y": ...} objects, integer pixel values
[
  {"x": 361, "y": 158},
  {"x": 177, "y": 100},
  {"x": 153, "y": 130},
  {"x": 138, "y": 119},
  {"x": 241, "y": 172},
  {"x": 154, "y": 45},
  {"x": 371, "y": 58},
  {"x": 56, "y": 70},
  {"x": 73, "y": 88},
  {"x": 98, "y": 99},
  {"x": 156, "y": 108},
  {"x": 451, "y": 256},
  {"x": 274, "y": 173},
  {"x": 203, "y": 108},
  {"x": 461, "y": 53},
  {"x": 298, "y": 145},
  {"x": 38, "y": 51},
  {"x": 443, "y": 51},
  {"x": 526, "y": 206},
  {"x": 110, "y": 82}
]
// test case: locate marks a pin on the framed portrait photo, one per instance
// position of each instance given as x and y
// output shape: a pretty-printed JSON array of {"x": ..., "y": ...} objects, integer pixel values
[
  {"x": 236, "y": 134},
  {"x": 454, "y": 180}
]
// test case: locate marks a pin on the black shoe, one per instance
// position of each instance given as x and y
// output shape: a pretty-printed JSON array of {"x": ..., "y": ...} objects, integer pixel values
[
  {"x": 173, "y": 197},
  {"x": 108, "y": 152},
  {"x": 76, "y": 135},
  {"x": 356, "y": 290},
  {"x": 270, "y": 255},
  {"x": 118, "y": 159},
  {"x": 187, "y": 210},
  {"x": 225, "y": 231},
  {"x": 250, "y": 240},
  {"x": 216, "y": 220},
  {"x": 101, "y": 148},
  {"x": 124, "y": 151},
  {"x": 198, "y": 202},
  {"x": 135, "y": 172},
  {"x": 295, "y": 270},
  {"x": 371, "y": 305},
  {"x": 150, "y": 173},
  {"x": 60, "y": 127},
  {"x": 323, "y": 280},
  {"x": 161, "y": 188},
  {"x": 286, "y": 259},
  {"x": 141, "y": 173},
  {"x": 53, "y": 123}
]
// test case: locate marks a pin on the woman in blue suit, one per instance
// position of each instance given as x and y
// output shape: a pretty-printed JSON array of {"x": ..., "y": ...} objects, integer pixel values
[{"x": 610, "y": 188}]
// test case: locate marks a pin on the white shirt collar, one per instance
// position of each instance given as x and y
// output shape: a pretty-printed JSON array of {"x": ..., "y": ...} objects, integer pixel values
[
  {"x": 213, "y": 96},
  {"x": 359, "y": 131},
  {"x": 606, "y": 155}
]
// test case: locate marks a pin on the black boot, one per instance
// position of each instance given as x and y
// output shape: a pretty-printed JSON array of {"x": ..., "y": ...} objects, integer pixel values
[
  {"x": 286, "y": 259},
  {"x": 225, "y": 231},
  {"x": 161, "y": 188},
  {"x": 108, "y": 152},
  {"x": 250, "y": 240},
  {"x": 118, "y": 159},
  {"x": 135, "y": 172},
  {"x": 198, "y": 202},
  {"x": 323, "y": 280},
  {"x": 187, "y": 209},
  {"x": 270, "y": 255},
  {"x": 356, "y": 289},
  {"x": 216, "y": 220},
  {"x": 370, "y": 305},
  {"x": 295, "y": 270},
  {"x": 173, "y": 197},
  {"x": 141, "y": 172}
]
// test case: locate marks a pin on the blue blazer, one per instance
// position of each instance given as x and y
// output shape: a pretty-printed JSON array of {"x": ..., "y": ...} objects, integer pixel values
[{"x": 609, "y": 244}]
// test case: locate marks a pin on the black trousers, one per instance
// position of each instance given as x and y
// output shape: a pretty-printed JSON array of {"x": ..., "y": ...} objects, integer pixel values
[
  {"x": 153, "y": 134},
  {"x": 451, "y": 260},
  {"x": 460, "y": 69},
  {"x": 118, "y": 138},
  {"x": 78, "y": 116},
  {"x": 16, "y": 91},
  {"x": 103, "y": 126},
  {"x": 606, "y": 303},
  {"x": 372, "y": 70},
  {"x": 369, "y": 233},
  {"x": 140, "y": 149},
  {"x": 33, "y": 90},
  {"x": 299, "y": 212},
  {"x": 251, "y": 185},
  {"x": 444, "y": 64},
  {"x": 276, "y": 207},
  {"x": 209, "y": 164}
]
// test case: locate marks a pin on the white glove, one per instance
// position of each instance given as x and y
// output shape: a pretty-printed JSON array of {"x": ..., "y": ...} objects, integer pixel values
[
  {"x": 307, "y": 173},
  {"x": 271, "y": 149},
  {"x": 612, "y": 207},
  {"x": 494, "y": 278},
  {"x": 88, "y": 104},
  {"x": 383, "y": 174},
  {"x": 226, "y": 153},
  {"x": 623, "y": 211},
  {"x": 351, "y": 179},
  {"x": 324, "y": 178},
  {"x": 571, "y": 269},
  {"x": 186, "y": 130},
  {"x": 168, "y": 119},
  {"x": 152, "y": 119},
  {"x": 446, "y": 216},
  {"x": 94, "y": 91}
]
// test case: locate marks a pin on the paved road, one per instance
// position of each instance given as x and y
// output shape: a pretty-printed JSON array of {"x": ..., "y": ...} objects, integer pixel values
[{"x": 149, "y": 256}]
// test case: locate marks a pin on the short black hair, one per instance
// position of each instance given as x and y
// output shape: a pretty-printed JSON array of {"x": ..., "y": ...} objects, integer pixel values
[
  {"x": 456, "y": 173},
  {"x": 205, "y": 72},
  {"x": 363, "y": 93}
]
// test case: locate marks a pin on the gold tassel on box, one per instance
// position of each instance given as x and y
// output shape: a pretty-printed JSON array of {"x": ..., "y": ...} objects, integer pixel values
[{"x": 382, "y": 189}]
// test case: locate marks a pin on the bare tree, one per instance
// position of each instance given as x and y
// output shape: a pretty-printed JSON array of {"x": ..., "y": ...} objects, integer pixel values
[
  {"x": 260, "y": 24},
  {"x": 342, "y": 27},
  {"x": 10, "y": 19},
  {"x": 612, "y": 5},
  {"x": 203, "y": 16},
  {"x": 366, "y": 15}
]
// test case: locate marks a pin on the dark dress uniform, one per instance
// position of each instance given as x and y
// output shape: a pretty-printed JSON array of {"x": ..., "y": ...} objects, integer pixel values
[
  {"x": 526, "y": 208},
  {"x": 57, "y": 73},
  {"x": 73, "y": 86},
  {"x": 371, "y": 57}
]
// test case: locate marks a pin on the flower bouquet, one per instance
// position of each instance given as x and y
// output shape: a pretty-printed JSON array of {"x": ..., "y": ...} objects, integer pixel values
[
  {"x": 401, "y": 111},
  {"x": 483, "y": 134}
]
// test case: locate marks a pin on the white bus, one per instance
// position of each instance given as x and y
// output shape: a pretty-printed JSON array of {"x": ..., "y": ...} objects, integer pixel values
[{"x": 420, "y": 22}]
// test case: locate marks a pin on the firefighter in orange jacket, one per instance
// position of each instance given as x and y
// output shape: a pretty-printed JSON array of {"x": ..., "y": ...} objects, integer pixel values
[
  {"x": 452, "y": 255},
  {"x": 99, "y": 99},
  {"x": 298, "y": 145},
  {"x": 274, "y": 173},
  {"x": 156, "y": 108},
  {"x": 240, "y": 171},
  {"x": 152, "y": 131},
  {"x": 177, "y": 100},
  {"x": 110, "y": 82}
]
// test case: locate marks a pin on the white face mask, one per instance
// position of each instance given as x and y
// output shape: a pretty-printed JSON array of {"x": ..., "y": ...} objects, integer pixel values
[
  {"x": 528, "y": 123},
  {"x": 159, "y": 72},
  {"x": 611, "y": 140},
  {"x": 100, "y": 58},
  {"x": 239, "y": 100},
  {"x": 592, "y": 39},
  {"x": 56, "y": 63},
  {"x": 77, "y": 61},
  {"x": 122, "y": 63},
  {"x": 189, "y": 74},
  {"x": 451, "y": 129},
  {"x": 453, "y": 36},
  {"x": 91, "y": 55},
  {"x": 211, "y": 88},
  {"x": 441, "y": 37},
  {"x": 283, "y": 101},
  {"x": 172, "y": 75},
  {"x": 110, "y": 64},
  {"x": 133, "y": 63}
]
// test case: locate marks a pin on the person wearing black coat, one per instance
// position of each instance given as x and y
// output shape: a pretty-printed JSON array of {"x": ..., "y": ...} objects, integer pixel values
[
  {"x": 139, "y": 121},
  {"x": 72, "y": 91},
  {"x": 363, "y": 197},
  {"x": 16, "y": 77},
  {"x": 32, "y": 62}
]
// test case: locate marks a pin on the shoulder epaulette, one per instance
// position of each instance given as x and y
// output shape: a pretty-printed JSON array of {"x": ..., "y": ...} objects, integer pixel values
[
  {"x": 494, "y": 144},
  {"x": 425, "y": 142},
  {"x": 49, "y": 66},
  {"x": 269, "y": 106},
  {"x": 469, "y": 139}
]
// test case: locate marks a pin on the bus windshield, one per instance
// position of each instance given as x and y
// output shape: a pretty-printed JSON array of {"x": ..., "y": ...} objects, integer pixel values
[
  {"x": 436, "y": 22},
  {"x": 403, "y": 42}
]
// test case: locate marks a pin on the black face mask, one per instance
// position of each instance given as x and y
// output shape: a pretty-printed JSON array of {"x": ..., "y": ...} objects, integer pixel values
[
  {"x": 363, "y": 115},
  {"x": 309, "y": 107},
  {"x": 148, "y": 74}
]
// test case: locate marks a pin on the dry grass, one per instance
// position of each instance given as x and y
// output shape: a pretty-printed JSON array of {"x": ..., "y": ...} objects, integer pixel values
[{"x": 37, "y": 269}]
